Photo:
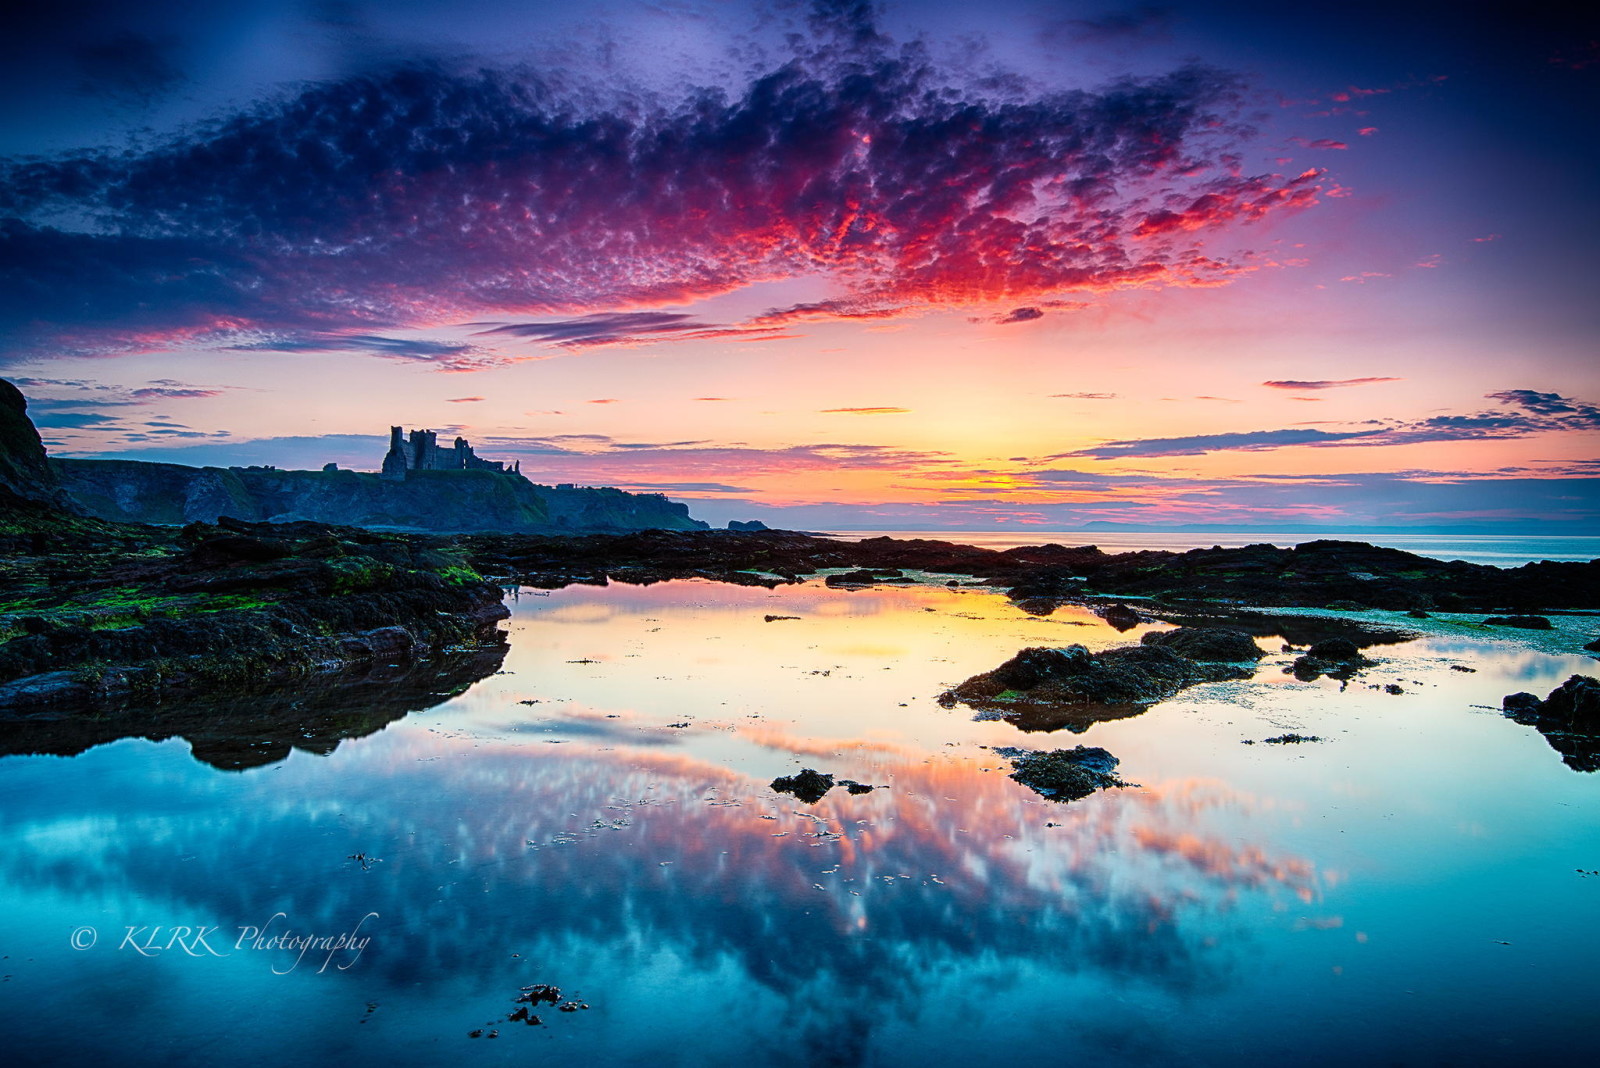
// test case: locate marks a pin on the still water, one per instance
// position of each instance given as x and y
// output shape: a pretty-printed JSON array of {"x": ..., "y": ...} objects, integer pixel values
[{"x": 597, "y": 816}]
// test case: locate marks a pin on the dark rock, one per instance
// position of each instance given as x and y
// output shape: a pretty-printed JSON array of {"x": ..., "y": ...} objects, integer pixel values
[
  {"x": 748, "y": 524},
  {"x": 1033, "y": 666},
  {"x": 809, "y": 786},
  {"x": 1594, "y": 646},
  {"x": 1064, "y": 774},
  {"x": 1335, "y": 649},
  {"x": 1347, "y": 606},
  {"x": 25, "y": 471},
  {"x": 861, "y": 577},
  {"x": 1520, "y": 702},
  {"x": 1576, "y": 702},
  {"x": 1393, "y": 689},
  {"x": 1121, "y": 617},
  {"x": 1207, "y": 643},
  {"x": 1524, "y": 622},
  {"x": 856, "y": 787},
  {"x": 1417, "y": 613},
  {"x": 1291, "y": 739},
  {"x": 1569, "y": 719}
]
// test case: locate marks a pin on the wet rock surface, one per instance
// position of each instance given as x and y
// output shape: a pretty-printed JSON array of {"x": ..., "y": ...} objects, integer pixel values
[
  {"x": 1569, "y": 719},
  {"x": 1064, "y": 774}
]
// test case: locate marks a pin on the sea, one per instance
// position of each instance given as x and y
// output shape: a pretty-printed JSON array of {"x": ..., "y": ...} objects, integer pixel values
[
  {"x": 571, "y": 849},
  {"x": 1497, "y": 550}
]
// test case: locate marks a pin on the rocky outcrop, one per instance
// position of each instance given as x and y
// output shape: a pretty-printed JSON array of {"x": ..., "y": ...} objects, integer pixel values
[
  {"x": 438, "y": 501},
  {"x": 223, "y": 607},
  {"x": 1569, "y": 719}
]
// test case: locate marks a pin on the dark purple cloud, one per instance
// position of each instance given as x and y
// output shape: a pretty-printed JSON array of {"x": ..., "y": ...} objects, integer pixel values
[
  {"x": 424, "y": 195},
  {"x": 631, "y": 328}
]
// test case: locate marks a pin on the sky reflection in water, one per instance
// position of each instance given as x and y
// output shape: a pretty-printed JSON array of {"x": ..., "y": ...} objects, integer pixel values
[{"x": 1246, "y": 903}]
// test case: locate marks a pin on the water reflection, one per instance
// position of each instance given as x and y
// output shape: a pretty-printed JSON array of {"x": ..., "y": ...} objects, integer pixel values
[
  {"x": 252, "y": 729},
  {"x": 596, "y": 813},
  {"x": 484, "y": 851}
]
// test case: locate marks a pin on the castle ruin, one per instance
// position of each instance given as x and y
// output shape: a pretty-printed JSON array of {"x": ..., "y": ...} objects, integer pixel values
[{"x": 421, "y": 452}]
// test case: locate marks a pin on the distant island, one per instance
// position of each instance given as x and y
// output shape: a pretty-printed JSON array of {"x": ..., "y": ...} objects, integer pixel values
[{"x": 421, "y": 486}]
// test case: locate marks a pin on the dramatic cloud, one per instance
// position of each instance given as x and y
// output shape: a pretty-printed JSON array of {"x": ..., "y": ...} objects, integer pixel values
[
  {"x": 425, "y": 195},
  {"x": 1020, "y": 315},
  {"x": 1324, "y": 383}
]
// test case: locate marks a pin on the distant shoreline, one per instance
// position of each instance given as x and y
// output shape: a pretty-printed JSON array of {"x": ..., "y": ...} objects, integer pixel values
[{"x": 1500, "y": 550}]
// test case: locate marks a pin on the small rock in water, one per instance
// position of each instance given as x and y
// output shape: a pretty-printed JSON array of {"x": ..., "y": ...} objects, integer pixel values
[
  {"x": 1064, "y": 774},
  {"x": 809, "y": 785}
]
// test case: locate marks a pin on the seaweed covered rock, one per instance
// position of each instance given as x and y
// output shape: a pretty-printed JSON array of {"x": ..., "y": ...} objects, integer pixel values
[
  {"x": 1064, "y": 774},
  {"x": 1569, "y": 719},
  {"x": 1213, "y": 644},
  {"x": 221, "y": 607},
  {"x": 1073, "y": 678}
]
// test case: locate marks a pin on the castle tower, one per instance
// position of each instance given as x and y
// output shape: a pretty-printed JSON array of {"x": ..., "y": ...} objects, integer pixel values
[{"x": 394, "y": 461}]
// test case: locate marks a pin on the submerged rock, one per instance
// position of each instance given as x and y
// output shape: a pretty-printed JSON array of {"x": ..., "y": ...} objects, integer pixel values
[
  {"x": 1064, "y": 774},
  {"x": 1569, "y": 719}
]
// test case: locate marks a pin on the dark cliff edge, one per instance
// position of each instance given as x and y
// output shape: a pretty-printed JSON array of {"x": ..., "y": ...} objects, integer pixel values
[
  {"x": 136, "y": 491},
  {"x": 25, "y": 472}
]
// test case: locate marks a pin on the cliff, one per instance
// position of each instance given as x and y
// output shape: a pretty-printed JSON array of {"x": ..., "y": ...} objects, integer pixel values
[
  {"x": 439, "y": 501},
  {"x": 24, "y": 470}
]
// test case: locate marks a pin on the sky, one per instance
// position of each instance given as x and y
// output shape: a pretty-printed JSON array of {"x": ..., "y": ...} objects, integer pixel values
[{"x": 828, "y": 264}]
